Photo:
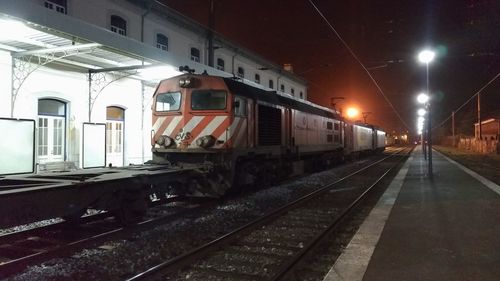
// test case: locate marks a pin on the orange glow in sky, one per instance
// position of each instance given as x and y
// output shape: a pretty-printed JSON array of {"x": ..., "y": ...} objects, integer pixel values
[{"x": 352, "y": 112}]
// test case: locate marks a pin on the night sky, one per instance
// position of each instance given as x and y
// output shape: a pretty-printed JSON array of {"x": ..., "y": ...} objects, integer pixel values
[{"x": 386, "y": 35}]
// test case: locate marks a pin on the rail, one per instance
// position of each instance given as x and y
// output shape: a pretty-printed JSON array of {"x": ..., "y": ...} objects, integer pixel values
[{"x": 190, "y": 259}]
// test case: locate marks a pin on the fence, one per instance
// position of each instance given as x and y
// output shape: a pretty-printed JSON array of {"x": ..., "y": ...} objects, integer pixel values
[{"x": 479, "y": 146}]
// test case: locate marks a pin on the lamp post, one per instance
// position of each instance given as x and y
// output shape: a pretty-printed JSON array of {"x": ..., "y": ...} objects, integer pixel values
[
  {"x": 427, "y": 56},
  {"x": 420, "y": 125}
]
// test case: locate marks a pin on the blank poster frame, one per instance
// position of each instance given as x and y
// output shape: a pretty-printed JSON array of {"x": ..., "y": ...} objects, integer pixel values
[
  {"x": 93, "y": 155},
  {"x": 25, "y": 141}
]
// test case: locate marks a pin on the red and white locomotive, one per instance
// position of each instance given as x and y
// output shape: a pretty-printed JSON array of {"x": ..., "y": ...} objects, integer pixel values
[{"x": 244, "y": 135}]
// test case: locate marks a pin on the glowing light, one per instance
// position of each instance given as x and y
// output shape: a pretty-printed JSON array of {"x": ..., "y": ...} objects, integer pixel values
[
  {"x": 13, "y": 30},
  {"x": 352, "y": 112},
  {"x": 420, "y": 123},
  {"x": 159, "y": 72},
  {"x": 422, "y": 98},
  {"x": 421, "y": 112},
  {"x": 426, "y": 56}
]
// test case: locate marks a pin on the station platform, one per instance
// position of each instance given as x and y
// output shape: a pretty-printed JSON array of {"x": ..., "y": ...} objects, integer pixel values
[{"x": 447, "y": 228}]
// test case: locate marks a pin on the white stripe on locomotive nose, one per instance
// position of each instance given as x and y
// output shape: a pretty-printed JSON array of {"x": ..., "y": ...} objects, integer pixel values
[
  {"x": 227, "y": 134},
  {"x": 209, "y": 129},
  {"x": 192, "y": 123},
  {"x": 172, "y": 125},
  {"x": 212, "y": 126},
  {"x": 158, "y": 123}
]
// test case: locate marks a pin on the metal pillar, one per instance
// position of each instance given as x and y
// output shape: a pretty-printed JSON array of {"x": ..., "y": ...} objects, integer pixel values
[
  {"x": 479, "y": 133},
  {"x": 101, "y": 78},
  {"x": 429, "y": 141},
  {"x": 429, "y": 127},
  {"x": 211, "y": 28}
]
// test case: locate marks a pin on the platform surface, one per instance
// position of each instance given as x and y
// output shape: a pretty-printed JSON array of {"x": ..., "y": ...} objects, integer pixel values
[{"x": 447, "y": 228}]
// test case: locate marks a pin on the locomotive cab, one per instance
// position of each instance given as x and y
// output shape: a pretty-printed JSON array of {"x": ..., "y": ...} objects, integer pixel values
[{"x": 195, "y": 115}]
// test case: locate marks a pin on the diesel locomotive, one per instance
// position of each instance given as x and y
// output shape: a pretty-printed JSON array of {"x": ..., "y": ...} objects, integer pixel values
[{"x": 246, "y": 135}]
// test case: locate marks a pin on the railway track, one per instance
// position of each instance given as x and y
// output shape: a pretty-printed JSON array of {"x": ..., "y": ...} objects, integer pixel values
[
  {"x": 270, "y": 247},
  {"x": 33, "y": 246}
]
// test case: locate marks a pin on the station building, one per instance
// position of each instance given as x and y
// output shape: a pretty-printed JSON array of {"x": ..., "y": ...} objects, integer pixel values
[{"x": 67, "y": 64}]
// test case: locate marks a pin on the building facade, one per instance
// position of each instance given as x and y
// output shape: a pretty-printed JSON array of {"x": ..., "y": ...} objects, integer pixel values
[{"x": 67, "y": 63}]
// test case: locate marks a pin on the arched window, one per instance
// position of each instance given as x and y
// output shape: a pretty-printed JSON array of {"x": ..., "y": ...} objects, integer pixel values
[
  {"x": 292, "y": 90},
  {"x": 195, "y": 54},
  {"x": 51, "y": 130},
  {"x": 301, "y": 95},
  {"x": 257, "y": 78},
  {"x": 220, "y": 64},
  {"x": 271, "y": 83},
  {"x": 241, "y": 72},
  {"x": 118, "y": 25},
  {"x": 115, "y": 123},
  {"x": 282, "y": 87},
  {"x": 162, "y": 42}
]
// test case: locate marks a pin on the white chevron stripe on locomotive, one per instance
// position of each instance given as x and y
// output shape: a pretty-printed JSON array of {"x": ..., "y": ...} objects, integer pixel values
[
  {"x": 210, "y": 128},
  {"x": 226, "y": 135},
  {"x": 172, "y": 125},
  {"x": 158, "y": 123},
  {"x": 192, "y": 123},
  {"x": 213, "y": 125}
]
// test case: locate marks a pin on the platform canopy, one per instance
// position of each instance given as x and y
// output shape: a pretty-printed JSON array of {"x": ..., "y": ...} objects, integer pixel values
[{"x": 42, "y": 36}]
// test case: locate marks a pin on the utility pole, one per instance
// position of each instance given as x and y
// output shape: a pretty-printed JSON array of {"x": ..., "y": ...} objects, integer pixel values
[{"x": 211, "y": 28}]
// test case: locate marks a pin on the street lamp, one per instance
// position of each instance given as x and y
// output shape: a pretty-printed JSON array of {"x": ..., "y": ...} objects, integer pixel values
[
  {"x": 426, "y": 57},
  {"x": 352, "y": 112},
  {"x": 422, "y": 98},
  {"x": 421, "y": 112}
]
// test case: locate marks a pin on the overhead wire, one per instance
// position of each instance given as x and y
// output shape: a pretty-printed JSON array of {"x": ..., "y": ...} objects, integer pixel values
[
  {"x": 360, "y": 62},
  {"x": 466, "y": 102}
]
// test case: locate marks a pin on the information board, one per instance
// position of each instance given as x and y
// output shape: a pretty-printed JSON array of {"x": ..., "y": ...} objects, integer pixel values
[
  {"x": 94, "y": 145},
  {"x": 17, "y": 146}
]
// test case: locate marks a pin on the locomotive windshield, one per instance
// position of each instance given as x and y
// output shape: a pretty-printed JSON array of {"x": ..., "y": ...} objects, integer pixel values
[
  {"x": 168, "y": 101},
  {"x": 208, "y": 100}
]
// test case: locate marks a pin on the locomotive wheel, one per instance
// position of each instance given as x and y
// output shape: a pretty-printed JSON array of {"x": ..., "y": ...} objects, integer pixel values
[{"x": 133, "y": 207}]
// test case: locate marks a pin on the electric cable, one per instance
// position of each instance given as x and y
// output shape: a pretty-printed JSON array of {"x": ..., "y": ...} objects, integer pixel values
[{"x": 361, "y": 63}]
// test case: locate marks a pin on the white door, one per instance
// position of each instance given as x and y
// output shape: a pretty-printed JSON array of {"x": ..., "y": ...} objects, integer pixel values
[
  {"x": 50, "y": 139},
  {"x": 114, "y": 143}
]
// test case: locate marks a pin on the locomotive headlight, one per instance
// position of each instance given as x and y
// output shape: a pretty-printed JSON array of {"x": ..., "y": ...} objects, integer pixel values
[
  {"x": 165, "y": 141},
  {"x": 205, "y": 141},
  {"x": 185, "y": 82}
]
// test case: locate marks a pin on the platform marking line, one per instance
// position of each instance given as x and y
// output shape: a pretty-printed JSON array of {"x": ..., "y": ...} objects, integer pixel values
[
  {"x": 353, "y": 262},
  {"x": 491, "y": 185}
]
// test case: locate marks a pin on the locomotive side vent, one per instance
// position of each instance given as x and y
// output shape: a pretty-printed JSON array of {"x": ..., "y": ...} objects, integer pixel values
[{"x": 269, "y": 125}]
